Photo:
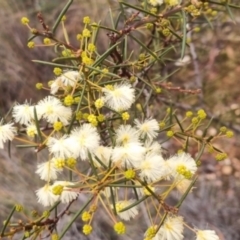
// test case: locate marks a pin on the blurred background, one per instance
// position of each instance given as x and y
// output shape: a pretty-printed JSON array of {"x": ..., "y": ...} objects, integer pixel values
[{"x": 213, "y": 66}]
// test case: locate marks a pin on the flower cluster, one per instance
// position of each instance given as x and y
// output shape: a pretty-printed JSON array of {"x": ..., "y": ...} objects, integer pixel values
[
  {"x": 96, "y": 124},
  {"x": 128, "y": 160}
]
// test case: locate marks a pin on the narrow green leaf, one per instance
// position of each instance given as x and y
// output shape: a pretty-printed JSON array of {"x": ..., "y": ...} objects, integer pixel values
[
  {"x": 111, "y": 134},
  {"x": 167, "y": 128},
  {"x": 146, "y": 83},
  {"x": 137, "y": 8},
  {"x": 181, "y": 137},
  {"x": 135, "y": 190},
  {"x": 56, "y": 64},
  {"x": 95, "y": 37},
  {"x": 207, "y": 127},
  {"x": 186, "y": 145},
  {"x": 218, "y": 150},
  {"x": 125, "y": 48},
  {"x": 61, "y": 15},
  {"x": 26, "y": 146},
  {"x": 37, "y": 124},
  {"x": 111, "y": 18},
  {"x": 175, "y": 34},
  {"x": 145, "y": 47},
  {"x": 118, "y": 184},
  {"x": 81, "y": 98},
  {"x": 178, "y": 122},
  {"x": 121, "y": 65},
  {"x": 105, "y": 55},
  {"x": 71, "y": 124},
  {"x": 105, "y": 28},
  {"x": 118, "y": 19},
  {"x": 184, "y": 38},
  {"x": 7, "y": 221},
  {"x": 134, "y": 204},
  {"x": 230, "y": 13},
  {"x": 113, "y": 201},
  {"x": 75, "y": 217},
  {"x": 186, "y": 193},
  {"x": 100, "y": 162},
  {"x": 170, "y": 74},
  {"x": 100, "y": 71},
  {"x": 162, "y": 221},
  {"x": 60, "y": 59},
  {"x": 140, "y": 92},
  {"x": 209, "y": 139},
  {"x": 165, "y": 51},
  {"x": 31, "y": 38},
  {"x": 170, "y": 114},
  {"x": 200, "y": 152},
  {"x": 57, "y": 48},
  {"x": 9, "y": 149},
  {"x": 209, "y": 22},
  {"x": 148, "y": 188}
]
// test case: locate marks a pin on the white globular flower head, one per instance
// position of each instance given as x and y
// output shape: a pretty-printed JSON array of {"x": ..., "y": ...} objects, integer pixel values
[
  {"x": 24, "y": 113},
  {"x": 68, "y": 194},
  {"x": 155, "y": 3},
  {"x": 129, "y": 155},
  {"x": 53, "y": 110},
  {"x": 102, "y": 154},
  {"x": 46, "y": 197},
  {"x": 70, "y": 78},
  {"x": 152, "y": 147},
  {"x": 55, "y": 85},
  {"x": 127, "y": 214},
  {"x": 147, "y": 129},
  {"x": 126, "y": 134},
  {"x": 83, "y": 140},
  {"x": 119, "y": 97},
  {"x": 206, "y": 235},
  {"x": 59, "y": 147},
  {"x": 172, "y": 228},
  {"x": 7, "y": 132},
  {"x": 151, "y": 168},
  {"x": 182, "y": 165},
  {"x": 47, "y": 170}
]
